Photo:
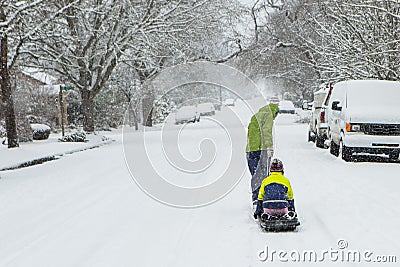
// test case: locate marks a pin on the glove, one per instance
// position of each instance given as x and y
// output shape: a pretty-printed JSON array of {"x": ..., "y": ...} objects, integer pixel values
[{"x": 270, "y": 152}]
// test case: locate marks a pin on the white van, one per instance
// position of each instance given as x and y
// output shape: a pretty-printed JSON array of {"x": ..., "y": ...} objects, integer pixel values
[{"x": 364, "y": 117}]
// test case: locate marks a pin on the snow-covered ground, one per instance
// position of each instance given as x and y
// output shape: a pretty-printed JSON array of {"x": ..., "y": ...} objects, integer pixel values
[
  {"x": 86, "y": 210},
  {"x": 45, "y": 148}
]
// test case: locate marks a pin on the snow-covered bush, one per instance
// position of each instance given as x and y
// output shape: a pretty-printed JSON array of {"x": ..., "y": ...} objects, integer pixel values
[
  {"x": 162, "y": 108},
  {"x": 105, "y": 138},
  {"x": 74, "y": 137},
  {"x": 40, "y": 131}
]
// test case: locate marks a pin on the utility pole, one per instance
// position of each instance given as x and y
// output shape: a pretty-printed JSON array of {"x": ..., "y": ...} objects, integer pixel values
[
  {"x": 61, "y": 110},
  {"x": 62, "y": 107}
]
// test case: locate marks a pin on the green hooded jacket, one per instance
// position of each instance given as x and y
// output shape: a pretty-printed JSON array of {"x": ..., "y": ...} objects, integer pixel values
[{"x": 259, "y": 135}]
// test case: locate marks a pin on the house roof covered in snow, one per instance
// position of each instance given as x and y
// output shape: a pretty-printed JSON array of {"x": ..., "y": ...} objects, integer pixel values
[{"x": 40, "y": 75}]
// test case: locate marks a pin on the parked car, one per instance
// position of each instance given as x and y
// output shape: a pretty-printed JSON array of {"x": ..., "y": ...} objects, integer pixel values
[
  {"x": 318, "y": 123},
  {"x": 306, "y": 105},
  {"x": 217, "y": 105},
  {"x": 206, "y": 109},
  {"x": 187, "y": 114},
  {"x": 364, "y": 117},
  {"x": 298, "y": 103},
  {"x": 229, "y": 102},
  {"x": 286, "y": 107},
  {"x": 274, "y": 100}
]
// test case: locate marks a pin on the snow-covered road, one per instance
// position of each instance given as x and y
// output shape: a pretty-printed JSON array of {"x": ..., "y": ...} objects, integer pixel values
[{"x": 86, "y": 210}]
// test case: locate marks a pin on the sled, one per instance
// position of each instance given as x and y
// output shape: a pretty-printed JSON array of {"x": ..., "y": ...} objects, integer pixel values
[{"x": 279, "y": 224}]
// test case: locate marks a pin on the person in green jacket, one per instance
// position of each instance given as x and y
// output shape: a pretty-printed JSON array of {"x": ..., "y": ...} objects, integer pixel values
[{"x": 260, "y": 145}]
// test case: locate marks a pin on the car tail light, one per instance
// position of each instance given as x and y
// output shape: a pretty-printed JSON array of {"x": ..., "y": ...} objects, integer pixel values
[{"x": 322, "y": 116}]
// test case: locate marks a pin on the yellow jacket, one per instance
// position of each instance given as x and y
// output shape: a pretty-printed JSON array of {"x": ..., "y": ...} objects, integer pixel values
[{"x": 276, "y": 178}]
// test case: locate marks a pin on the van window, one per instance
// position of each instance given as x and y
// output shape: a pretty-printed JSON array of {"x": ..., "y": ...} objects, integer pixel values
[
  {"x": 338, "y": 94},
  {"x": 319, "y": 99}
]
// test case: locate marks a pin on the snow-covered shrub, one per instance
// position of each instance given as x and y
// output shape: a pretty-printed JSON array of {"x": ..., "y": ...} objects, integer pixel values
[
  {"x": 74, "y": 137},
  {"x": 105, "y": 138},
  {"x": 162, "y": 108},
  {"x": 40, "y": 131}
]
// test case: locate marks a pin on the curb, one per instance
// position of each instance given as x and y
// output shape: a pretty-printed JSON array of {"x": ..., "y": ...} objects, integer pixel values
[{"x": 47, "y": 158}]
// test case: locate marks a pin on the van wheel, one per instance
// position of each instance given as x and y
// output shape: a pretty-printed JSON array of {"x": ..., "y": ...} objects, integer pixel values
[
  {"x": 394, "y": 156},
  {"x": 320, "y": 141},
  {"x": 345, "y": 153},
  {"x": 334, "y": 149}
]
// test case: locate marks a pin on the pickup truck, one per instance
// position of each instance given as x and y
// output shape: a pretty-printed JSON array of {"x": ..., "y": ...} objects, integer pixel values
[{"x": 318, "y": 124}]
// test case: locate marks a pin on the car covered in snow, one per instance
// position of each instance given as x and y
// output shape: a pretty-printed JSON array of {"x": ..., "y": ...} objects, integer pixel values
[
  {"x": 229, "y": 102},
  {"x": 364, "y": 117},
  {"x": 318, "y": 126},
  {"x": 206, "y": 109},
  {"x": 286, "y": 106},
  {"x": 187, "y": 114},
  {"x": 273, "y": 100}
]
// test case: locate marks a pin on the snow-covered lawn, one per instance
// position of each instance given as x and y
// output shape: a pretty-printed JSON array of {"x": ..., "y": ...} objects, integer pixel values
[
  {"x": 45, "y": 148},
  {"x": 86, "y": 210}
]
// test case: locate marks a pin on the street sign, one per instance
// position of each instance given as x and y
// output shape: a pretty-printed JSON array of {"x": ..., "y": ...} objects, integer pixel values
[{"x": 67, "y": 87}]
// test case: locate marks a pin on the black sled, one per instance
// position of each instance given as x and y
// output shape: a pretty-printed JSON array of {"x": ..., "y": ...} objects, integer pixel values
[{"x": 278, "y": 223}]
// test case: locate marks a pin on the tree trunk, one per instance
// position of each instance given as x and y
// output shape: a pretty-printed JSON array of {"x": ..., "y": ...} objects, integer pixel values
[
  {"x": 147, "y": 106},
  {"x": 135, "y": 120},
  {"x": 87, "y": 110},
  {"x": 6, "y": 92}
]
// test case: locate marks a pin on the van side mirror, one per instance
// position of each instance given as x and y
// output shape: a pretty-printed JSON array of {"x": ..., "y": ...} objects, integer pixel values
[{"x": 336, "y": 106}]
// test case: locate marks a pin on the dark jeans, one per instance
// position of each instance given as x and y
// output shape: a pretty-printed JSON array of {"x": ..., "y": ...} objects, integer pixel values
[
  {"x": 252, "y": 160},
  {"x": 254, "y": 195}
]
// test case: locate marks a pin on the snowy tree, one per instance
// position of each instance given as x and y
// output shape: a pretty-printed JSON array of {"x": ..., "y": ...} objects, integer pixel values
[
  {"x": 91, "y": 37},
  {"x": 119, "y": 98},
  {"x": 13, "y": 16},
  {"x": 206, "y": 32},
  {"x": 307, "y": 42},
  {"x": 359, "y": 39},
  {"x": 19, "y": 22},
  {"x": 125, "y": 85}
]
